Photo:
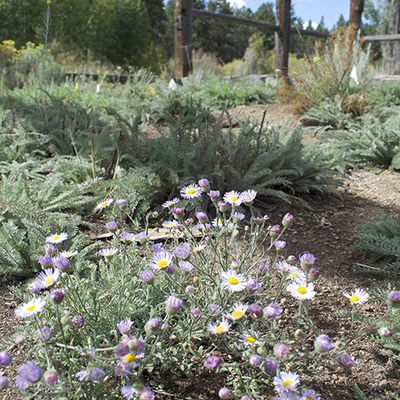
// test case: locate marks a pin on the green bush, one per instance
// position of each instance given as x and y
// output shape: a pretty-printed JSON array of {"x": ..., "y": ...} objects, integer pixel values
[
  {"x": 270, "y": 161},
  {"x": 381, "y": 241}
]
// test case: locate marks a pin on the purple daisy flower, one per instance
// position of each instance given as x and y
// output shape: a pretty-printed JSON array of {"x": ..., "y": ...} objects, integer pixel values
[
  {"x": 90, "y": 375},
  {"x": 30, "y": 372}
]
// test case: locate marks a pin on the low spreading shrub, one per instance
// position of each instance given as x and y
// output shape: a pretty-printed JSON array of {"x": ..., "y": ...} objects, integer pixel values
[
  {"x": 207, "y": 299},
  {"x": 381, "y": 241}
]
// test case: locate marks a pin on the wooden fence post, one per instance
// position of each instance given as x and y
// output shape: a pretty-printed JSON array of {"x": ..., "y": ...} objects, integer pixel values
[
  {"x": 283, "y": 14},
  {"x": 183, "y": 37}
]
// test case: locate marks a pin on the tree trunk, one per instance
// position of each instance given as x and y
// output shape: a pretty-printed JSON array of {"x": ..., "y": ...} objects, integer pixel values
[
  {"x": 356, "y": 10},
  {"x": 391, "y": 50}
]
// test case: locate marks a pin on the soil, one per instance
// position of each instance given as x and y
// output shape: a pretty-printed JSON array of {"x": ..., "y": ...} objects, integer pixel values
[{"x": 326, "y": 227}]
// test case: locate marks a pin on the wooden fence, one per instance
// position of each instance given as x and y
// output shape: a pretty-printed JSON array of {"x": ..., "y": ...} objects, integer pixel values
[{"x": 184, "y": 13}]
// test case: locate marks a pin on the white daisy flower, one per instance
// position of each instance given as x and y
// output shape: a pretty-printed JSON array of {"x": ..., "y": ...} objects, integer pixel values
[
  {"x": 286, "y": 381},
  {"x": 283, "y": 266},
  {"x": 296, "y": 274},
  {"x": 104, "y": 204},
  {"x": 233, "y": 198},
  {"x": 191, "y": 192},
  {"x": 48, "y": 277},
  {"x": 170, "y": 224},
  {"x": 68, "y": 254},
  {"x": 358, "y": 296},
  {"x": 239, "y": 309},
  {"x": 250, "y": 338},
  {"x": 219, "y": 327},
  {"x": 248, "y": 196},
  {"x": 131, "y": 359},
  {"x": 34, "y": 307},
  {"x": 301, "y": 291},
  {"x": 233, "y": 281},
  {"x": 161, "y": 260},
  {"x": 170, "y": 203},
  {"x": 57, "y": 238},
  {"x": 108, "y": 252},
  {"x": 219, "y": 223}
]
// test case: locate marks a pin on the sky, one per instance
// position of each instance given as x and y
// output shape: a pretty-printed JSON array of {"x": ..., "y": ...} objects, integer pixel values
[{"x": 308, "y": 9}]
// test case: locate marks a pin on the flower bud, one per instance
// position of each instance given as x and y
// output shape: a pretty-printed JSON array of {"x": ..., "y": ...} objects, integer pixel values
[
  {"x": 281, "y": 350},
  {"x": 3, "y": 382},
  {"x": 224, "y": 394},
  {"x": 393, "y": 298},
  {"x": 346, "y": 360},
  {"x": 213, "y": 363},
  {"x": 222, "y": 206},
  {"x": 270, "y": 366},
  {"x": 51, "y": 377},
  {"x": 204, "y": 184},
  {"x": 173, "y": 305},
  {"x": 287, "y": 220},
  {"x": 57, "y": 296},
  {"x": 78, "y": 321},
  {"x": 5, "y": 359},
  {"x": 384, "y": 332},
  {"x": 255, "y": 360},
  {"x": 323, "y": 344},
  {"x": 153, "y": 325}
]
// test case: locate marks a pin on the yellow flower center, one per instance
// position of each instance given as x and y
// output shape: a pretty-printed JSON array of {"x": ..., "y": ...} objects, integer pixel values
[
  {"x": 195, "y": 279},
  {"x": 220, "y": 223},
  {"x": 287, "y": 382},
  {"x": 250, "y": 339},
  {"x": 353, "y": 299},
  {"x": 232, "y": 280},
  {"x": 162, "y": 264},
  {"x": 219, "y": 329},
  {"x": 294, "y": 275},
  {"x": 237, "y": 314},
  {"x": 191, "y": 191},
  {"x": 301, "y": 290},
  {"x": 31, "y": 308},
  {"x": 130, "y": 358},
  {"x": 49, "y": 280},
  {"x": 234, "y": 198},
  {"x": 104, "y": 204},
  {"x": 56, "y": 237}
]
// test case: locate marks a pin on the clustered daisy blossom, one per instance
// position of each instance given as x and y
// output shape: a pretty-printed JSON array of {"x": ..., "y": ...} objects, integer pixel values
[
  {"x": 233, "y": 281},
  {"x": 219, "y": 327},
  {"x": 104, "y": 204},
  {"x": 57, "y": 238},
  {"x": 161, "y": 260},
  {"x": 301, "y": 290},
  {"x": 357, "y": 296},
  {"x": 239, "y": 310},
  {"x": 191, "y": 191},
  {"x": 31, "y": 308},
  {"x": 233, "y": 198},
  {"x": 286, "y": 381},
  {"x": 47, "y": 277}
]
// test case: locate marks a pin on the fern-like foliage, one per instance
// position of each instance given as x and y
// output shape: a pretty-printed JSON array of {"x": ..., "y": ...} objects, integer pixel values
[
  {"x": 381, "y": 241},
  {"x": 271, "y": 161},
  {"x": 367, "y": 142}
]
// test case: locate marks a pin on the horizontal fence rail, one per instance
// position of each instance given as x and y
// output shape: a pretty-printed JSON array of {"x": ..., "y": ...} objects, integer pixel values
[
  {"x": 381, "y": 38},
  {"x": 250, "y": 22}
]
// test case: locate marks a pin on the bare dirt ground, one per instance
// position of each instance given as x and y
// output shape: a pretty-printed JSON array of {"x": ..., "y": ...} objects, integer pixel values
[{"x": 325, "y": 227}]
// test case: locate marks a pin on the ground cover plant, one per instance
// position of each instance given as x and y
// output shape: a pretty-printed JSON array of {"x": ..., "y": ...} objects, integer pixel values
[{"x": 208, "y": 297}]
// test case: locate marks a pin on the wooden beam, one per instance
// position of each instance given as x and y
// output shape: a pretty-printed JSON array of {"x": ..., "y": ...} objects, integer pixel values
[
  {"x": 235, "y": 20},
  {"x": 381, "y": 38},
  {"x": 183, "y": 37},
  {"x": 283, "y": 14},
  {"x": 250, "y": 22}
]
